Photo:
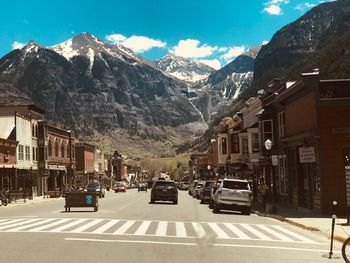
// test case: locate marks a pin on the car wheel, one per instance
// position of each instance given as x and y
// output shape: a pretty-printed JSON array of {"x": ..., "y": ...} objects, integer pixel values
[
  {"x": 210, "y": 205},
  {"x": 202, "y": 201},
  {"x": 246, "y": 211},
  {"x": 175, "y": 202},
  {"x": 152, "y": 201},
  {"x": 216, "y": 208}
]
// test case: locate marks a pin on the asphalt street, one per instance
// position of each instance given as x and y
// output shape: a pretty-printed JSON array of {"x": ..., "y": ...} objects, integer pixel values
[{"x": 127, "y": 228}]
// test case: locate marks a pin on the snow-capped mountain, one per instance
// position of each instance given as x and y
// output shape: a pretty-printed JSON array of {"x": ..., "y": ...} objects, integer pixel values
[
  {"x": 100, "y": 89},
  {"x": 216, "y": 93},
  {"x": 87, "y": 45},
  {"x": 183, "y": 68}
]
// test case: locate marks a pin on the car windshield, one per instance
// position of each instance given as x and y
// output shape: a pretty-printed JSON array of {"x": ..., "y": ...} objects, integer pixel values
[{"x": 236, "y": 185}]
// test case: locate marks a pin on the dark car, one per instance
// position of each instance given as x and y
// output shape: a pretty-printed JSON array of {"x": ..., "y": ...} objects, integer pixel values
[
  {"x": 184, "y": 186},
  {"x": 142, "y": 187},
  {"x": 164, "y": 190},
  {"x": 96, "y": 187},
  {"x": 205, "y": 194}
]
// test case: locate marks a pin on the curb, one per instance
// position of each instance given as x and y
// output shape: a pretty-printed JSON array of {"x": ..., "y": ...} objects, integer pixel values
[
  {"x": 337, "y": 237},
  {"x": 283, "y": 219}
]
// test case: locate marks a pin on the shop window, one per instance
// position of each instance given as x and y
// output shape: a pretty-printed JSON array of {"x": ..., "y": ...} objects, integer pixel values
[
  {"x": 63, "y": 150},
  {"x": 282, "y": 175},
  {"x": 49, "y": 148},
  {"x": 56, "y": 148}
]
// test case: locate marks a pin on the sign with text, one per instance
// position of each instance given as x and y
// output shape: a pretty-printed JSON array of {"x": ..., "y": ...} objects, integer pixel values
[
  {"x": 274, "y": 159},
  {"x": 307, "y": 155}
]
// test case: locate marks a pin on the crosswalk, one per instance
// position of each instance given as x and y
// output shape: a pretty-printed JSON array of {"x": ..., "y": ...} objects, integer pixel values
[{"x": 219, "y": 230}]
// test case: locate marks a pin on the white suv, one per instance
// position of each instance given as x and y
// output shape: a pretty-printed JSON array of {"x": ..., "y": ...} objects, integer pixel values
[{"x": 233, "y": 194}]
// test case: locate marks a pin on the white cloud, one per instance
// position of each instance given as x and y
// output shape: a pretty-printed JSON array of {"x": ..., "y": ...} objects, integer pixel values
[
  {"x": 222, "y": 49},
  {"x": 214, "y": 63},
  {"x": 141, "y": 44},
  {"x": 191, "y": 48},
  {"x": 273, "y": 10},
  {"x": 273, "y": 7},
  {"x": 304, "y": 6},
  {"x": 264, "y": 42},
  {"x": 233, "y": 52},
  {"x": 17, "y": 45},
  {"x": 115, "y": 38},
  {"x": 137, "y": 44}
]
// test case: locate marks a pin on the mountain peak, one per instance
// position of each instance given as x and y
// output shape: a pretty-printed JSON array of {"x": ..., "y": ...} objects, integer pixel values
[{"x": 183, "y": 68}]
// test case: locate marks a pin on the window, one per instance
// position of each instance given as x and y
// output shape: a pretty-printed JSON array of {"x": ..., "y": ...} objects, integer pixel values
[
  {"x": 245, "y": 147},
  {"x": 63, "y": 150},
  {"x": 50, "y": 147},
  {"x": 282, "y": 175},
  {"x": 267, "y": 130},
  {"x": 56, "y": 148},
  {"x": 223, "y": 146},
  {"x": 33, "y": 130},
  {"x": 235, "y": 143},
  {"x": 20, "y": 152},
  {"x": 281, "y": 124},
  {"x": 34, "y": 154},
  {"x": 27, "y": 153},
  {"x": 255, "y": 143}
]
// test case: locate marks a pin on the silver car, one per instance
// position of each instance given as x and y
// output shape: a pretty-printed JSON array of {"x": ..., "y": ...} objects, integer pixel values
[{"x": 233, "y": 194}]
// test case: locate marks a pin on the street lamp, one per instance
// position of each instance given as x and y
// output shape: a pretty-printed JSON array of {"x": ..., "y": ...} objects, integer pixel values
[
  {"x": 208, "y": 167},
  {"x": 268, "y": 146}
]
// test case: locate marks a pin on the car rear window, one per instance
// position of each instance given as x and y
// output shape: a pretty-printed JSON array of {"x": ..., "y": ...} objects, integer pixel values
[
  {"x": 93, "y": 185},
  {"x": 235, "y": 185},
  {"x": 209, "y": 184},
  {"x": 164, "y": 183}
]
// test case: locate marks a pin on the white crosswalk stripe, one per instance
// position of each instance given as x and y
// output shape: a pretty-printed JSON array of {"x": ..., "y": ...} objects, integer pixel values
[
  {"x": 223, "y": 231},
  {"x": 124, "y": 228}
]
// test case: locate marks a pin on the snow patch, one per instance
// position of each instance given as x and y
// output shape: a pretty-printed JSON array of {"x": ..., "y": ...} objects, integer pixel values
[{"x": 66, "y": 49}]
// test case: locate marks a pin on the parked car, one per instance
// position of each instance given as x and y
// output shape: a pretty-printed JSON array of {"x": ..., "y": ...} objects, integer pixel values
[
  {"x": 198, "y": 189},
  {"x": 205, "y": 193},
  {"x": 233, "y": 194},
  {"x": 192, "y": 187},
  {"x": 184, "y": 186},
  {"x": 142, "y": 187},
  {"x": 96, "y": 187},
  {"x": 119, "y": 187},
  {"x": 164, "y": 190}
]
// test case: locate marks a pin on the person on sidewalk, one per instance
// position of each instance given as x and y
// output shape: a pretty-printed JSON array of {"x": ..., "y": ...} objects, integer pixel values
[{"x": 263, "y": 188}]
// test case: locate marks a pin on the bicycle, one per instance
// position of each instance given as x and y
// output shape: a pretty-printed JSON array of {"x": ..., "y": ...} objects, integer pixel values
[
  {"x": 3, "y": 199},
  {"x": 345, "y": 250}
]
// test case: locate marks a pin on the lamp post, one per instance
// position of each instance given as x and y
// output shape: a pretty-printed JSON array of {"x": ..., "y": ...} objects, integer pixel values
[
  {"x": 268, "y": 146},
  {"x": 209, "y": 172}
]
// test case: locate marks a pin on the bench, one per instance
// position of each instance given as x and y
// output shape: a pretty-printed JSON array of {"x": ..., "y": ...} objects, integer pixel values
[
  {"x": 81, "y": 199},
  {"x": 52, "y": 194}
]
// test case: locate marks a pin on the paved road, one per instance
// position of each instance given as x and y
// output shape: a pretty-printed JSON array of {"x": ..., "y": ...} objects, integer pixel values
[{"x": 129, "y": 229}]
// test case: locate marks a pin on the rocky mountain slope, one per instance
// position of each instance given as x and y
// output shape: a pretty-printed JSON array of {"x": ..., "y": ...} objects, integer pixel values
[
  {"x": 184, "y": 69},
  {"x": 215, "y": 94},
  {"x": 103, "y": 91},
  {"x": 305, "y": 45}
]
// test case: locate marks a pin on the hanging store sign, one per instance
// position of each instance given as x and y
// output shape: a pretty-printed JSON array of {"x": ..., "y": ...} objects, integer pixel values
[
  {"x": 274, "y": 159},
  {"x": 307, "y": 155}
]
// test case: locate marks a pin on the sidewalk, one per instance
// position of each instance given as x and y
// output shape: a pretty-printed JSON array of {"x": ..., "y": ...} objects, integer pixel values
[
  {"x": 308, "y": 220},
  {"x": 34, "y": 200}
]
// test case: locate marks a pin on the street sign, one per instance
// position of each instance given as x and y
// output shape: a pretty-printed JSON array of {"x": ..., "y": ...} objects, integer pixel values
[{"x": 307, "y": 155}]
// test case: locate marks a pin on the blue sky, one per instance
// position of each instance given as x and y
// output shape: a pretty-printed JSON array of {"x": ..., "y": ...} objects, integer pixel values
[{"x": 213, "y": 31}]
